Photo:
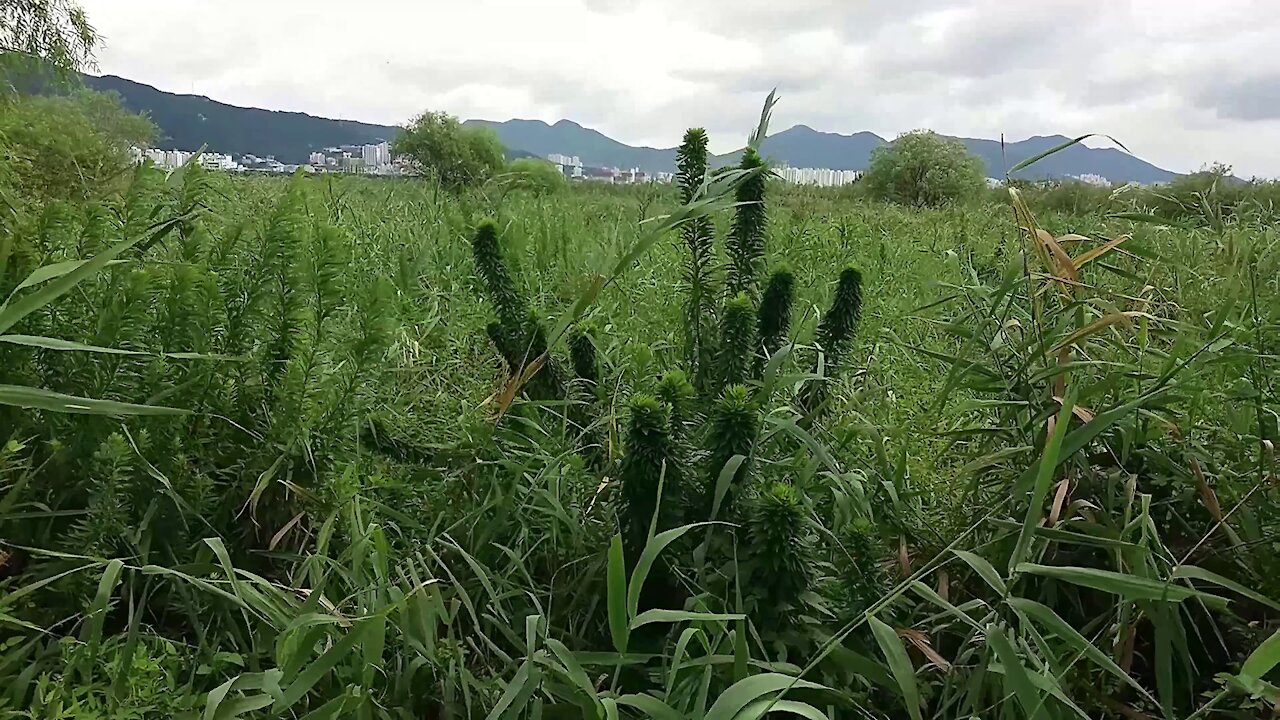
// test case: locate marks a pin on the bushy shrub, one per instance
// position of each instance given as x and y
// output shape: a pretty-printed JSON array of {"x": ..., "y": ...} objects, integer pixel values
[
  {"x": 536, "y": 175},
  {"x": 72, "y": 146},
  {"x": 924, "y": 169},
  {"x": 440, "y": 146}
]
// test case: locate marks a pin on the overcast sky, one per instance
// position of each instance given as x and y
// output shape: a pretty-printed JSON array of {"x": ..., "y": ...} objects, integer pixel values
[{"x": 1180, "y": 82}]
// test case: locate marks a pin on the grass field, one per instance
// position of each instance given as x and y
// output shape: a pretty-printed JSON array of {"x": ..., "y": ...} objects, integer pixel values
[{"x": 263, "y": 460}]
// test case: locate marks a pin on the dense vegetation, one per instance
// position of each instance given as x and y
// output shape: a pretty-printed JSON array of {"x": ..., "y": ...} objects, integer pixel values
[{"x": 343, "y": 447}]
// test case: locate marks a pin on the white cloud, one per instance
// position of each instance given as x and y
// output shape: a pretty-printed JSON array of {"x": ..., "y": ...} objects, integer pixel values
[{"x": 1180, "y": 83}]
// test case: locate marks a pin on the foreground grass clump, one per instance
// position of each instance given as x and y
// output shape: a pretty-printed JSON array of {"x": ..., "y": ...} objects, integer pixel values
[{"x": 364, "y": 449}]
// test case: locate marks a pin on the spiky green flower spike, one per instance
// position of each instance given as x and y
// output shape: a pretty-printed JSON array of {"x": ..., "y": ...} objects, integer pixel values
[
  {"x": 774, "y": 317},
  {"x": 675, "y": 390},
  {"x": 691, "y": 171},
  {"x": 546, "y": 384},
  {"x": 781, "y": 552},
  {"x": 582, "y": 353},
  {"x": 863, "y": 580},
  {"x": 836, "y": 330},
  {"x": 491, "y": 266},
  {"x": 649, "y": 462},
  {"x": 840, "y": 322},
  {"x": 737, "y": 340},
  {"x": 735, "y": 423},
  {"x": 746, "y": 240},
  {"x": 508, "y": 347},
  {"x": 691, "y": 163}
]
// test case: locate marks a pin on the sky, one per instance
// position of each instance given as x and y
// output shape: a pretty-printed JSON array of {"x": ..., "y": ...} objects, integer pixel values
[{"x": 1181, "y": 83}]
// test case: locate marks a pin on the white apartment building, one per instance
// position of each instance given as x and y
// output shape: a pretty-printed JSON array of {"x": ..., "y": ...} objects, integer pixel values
[{"x": 820, "y": 177}]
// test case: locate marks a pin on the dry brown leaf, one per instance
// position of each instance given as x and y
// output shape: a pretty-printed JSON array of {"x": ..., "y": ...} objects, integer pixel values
[
  {"x": 1062, "y": 266},
  {"x": 1059, "y": 500},
  {"x": 921, "y": 643},
  {"x": 1080, "y": 411}
]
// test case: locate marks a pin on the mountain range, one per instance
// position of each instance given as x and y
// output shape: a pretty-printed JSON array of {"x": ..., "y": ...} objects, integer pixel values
[{"x": 187, "y": 122}]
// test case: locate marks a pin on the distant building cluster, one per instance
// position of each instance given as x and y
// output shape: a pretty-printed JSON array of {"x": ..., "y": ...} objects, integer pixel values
[
  {"x": 1094, "y": 179},
  {"x": 821, "y": 177},
  {"x": 573, "y": 168},
  {"x": 171, "y": 159},
  {"x": 362, "y": 159}
]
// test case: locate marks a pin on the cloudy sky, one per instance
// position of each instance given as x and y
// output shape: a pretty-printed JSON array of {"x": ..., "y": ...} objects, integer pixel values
[{"x": 1180, "y": 82}]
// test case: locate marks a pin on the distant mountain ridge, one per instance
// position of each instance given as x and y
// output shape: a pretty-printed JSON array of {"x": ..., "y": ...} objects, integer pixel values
[
  {"x": 802, "y": 146},
  {"x": 187, "y": 122}
]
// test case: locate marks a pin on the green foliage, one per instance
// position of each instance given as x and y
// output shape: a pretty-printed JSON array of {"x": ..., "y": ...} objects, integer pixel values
[
  {"x": 835, "y": 332},
  {"x": 924, "y": 169},
  {"x": 745, "y": 244},
  {"x": 68, "y": 147},
  {"x": 698, "y": 237},
  {"x": 737, "y": 340},
  {"x": 582, "y": 354},
  {"x": 441, "y": 147},
  {"x": 39, "y": 36},
  {"x": 774, "y": 318},
  {"x": 536, "y": 175},
  {"x": 841, "y": 320},
  {"x": 499, "y": 282},
  {"x": 1015, "y": 513},
  {"x": 650, "y": 477},
  {"x": 781, "y": 554},
  {"x": 734, "y": 425},
  {"x": 518, "y": 334},
  {"x": 862, "y": 580},
  {"x": 678, "y": 393}
]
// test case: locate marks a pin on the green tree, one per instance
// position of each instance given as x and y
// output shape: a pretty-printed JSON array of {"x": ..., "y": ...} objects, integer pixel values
[
  {"x": 69, "y": 146},
  {"x": 442, "y": 147},
  {"x": 535, "y": 174},
  {"x": 924, "y": 169},
  {"x": 41, "y": 36}
]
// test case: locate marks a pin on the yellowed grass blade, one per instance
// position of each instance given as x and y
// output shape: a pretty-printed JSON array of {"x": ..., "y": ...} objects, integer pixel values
[
  {"x": 1102, "y": 323},
  {"x": 921, "y": 643},
  {"x": 1062, "y": 265},
  {"x": 1095, "y": 253}
]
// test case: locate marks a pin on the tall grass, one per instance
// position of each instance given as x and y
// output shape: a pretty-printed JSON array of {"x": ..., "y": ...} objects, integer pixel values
[{"x": 1001, "y": 469}]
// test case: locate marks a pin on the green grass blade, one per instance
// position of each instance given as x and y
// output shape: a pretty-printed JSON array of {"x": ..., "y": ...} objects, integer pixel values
[
  {"x": 48, "y": 343},
  {"x": 744, "y": 692},
  {"x": 759, "y": 708},
  {"x": 97, "y": 615},
  {"x": 343, "y": 650},
  {"x": 1059, "y": 148},
  {"x": 985, "y": 570},
  {"x": 651, "y": 707},
  {"x": 1016, "y": 674},
  {"x": 617, "y": 597},
  {"x": 1051, "y": 621},
  {"x": 648, "y": 557},
  {"x": 1192, "y": 572},
  {"x": 38, "y": 399},
  {"x": 674, "y": 616},
  {"x": 1044, "y": 479},
  {"x": 1265, "y": 657},
  {"x": 895, "y": 653},
  {"x": 1130, "y": 587}
]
